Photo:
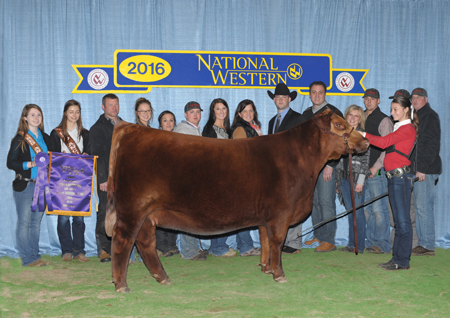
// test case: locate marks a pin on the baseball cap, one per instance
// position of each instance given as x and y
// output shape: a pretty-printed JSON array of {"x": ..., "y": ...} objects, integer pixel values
[
  {"x": 192, "y": 105},
  {"x": 372, "y": 92},
  {"x": 401, "y": 93},
  {"x": 419, "y": 91}
]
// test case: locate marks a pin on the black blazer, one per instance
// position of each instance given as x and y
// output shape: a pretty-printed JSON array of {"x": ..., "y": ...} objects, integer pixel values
[
  {"x": 291, "y": 119},
  {"x": 55, "y": 141},
  {"x": 16, "y": 158}
]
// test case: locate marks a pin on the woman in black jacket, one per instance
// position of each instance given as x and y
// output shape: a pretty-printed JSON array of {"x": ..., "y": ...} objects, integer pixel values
[
  {"x": 21, "y": 157},
  {"x": 71, "y": 137}
]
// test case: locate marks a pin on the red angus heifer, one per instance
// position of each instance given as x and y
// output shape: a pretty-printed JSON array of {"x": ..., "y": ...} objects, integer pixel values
[{"x": 159, "y": 178}]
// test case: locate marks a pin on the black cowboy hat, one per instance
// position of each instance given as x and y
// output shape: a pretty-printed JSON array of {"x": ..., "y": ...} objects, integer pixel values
[{"x": 282, "y": 89}]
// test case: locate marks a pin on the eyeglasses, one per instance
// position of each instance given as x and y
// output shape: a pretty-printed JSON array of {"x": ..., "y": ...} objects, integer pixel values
[{"x": 144, "y": 111}]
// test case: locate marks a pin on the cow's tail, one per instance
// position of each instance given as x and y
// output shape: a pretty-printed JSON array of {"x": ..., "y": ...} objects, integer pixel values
[{"x": 110, "y": 219}]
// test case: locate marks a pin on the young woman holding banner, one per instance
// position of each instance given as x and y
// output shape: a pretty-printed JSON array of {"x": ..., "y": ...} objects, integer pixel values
[
  {"x": 30, "y": 139},
  {"x": 71, "y": 137}
]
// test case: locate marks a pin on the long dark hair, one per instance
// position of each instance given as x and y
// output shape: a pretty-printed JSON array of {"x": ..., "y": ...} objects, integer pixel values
[
  {"x": 240, "y": 108},
  {"x": 63, "y": 123},
  {"x": 406, "y": 103},
  {"x": 212, "y": 116}
]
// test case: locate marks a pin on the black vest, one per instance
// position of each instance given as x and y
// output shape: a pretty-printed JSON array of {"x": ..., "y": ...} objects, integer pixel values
[{"x": 372, "y": 123}]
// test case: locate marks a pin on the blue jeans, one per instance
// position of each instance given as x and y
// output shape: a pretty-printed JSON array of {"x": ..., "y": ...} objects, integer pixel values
[
  {"x": 69, "y": 245},
  {"x": 243, "y": 239},
  {"x": 28, "y": 226},
  {"x": 188, "y": 246},
  {"x": 360, "y": 216},
  {"x": 378, "y": 229},
  {"x": 399, "y": 189},
  {"x": 133, "y": 255},
  {"x": 424, "y": 194},
  {"x": 324, "y": 207}
]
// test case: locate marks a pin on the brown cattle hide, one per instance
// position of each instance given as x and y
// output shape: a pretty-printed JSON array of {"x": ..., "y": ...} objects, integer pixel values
[{"x": 210, "y": 186}]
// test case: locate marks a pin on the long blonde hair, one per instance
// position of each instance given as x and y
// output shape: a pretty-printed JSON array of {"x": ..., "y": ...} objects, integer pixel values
[
  {"x": 23, "y": 124},
  {"x": 362, "y": 114}
]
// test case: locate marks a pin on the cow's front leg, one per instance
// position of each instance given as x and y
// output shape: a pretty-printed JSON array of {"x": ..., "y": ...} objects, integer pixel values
[
  {"x": 264, "y": 260},
  {"x": 121, "y": 245},
  {"x": 277, "y": 234},
  {"x": 146, "y": 243}
]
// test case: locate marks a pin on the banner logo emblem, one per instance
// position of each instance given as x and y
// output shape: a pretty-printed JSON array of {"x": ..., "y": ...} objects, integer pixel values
[
  {"x": 98, "y": 79},
  {"x": 345, "y": 82},
  {"x": 295, "y": 71}
]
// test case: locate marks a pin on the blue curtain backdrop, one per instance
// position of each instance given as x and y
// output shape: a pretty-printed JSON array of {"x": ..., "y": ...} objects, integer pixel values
[{"x": 403, "y": 44}]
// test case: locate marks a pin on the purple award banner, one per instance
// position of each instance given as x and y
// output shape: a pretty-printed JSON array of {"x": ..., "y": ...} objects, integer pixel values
[{"x": 71, "y": 179}]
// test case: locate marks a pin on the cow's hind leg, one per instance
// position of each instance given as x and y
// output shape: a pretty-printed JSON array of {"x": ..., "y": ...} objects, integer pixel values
[
  {"x": 146, "y": 243},
  {"x": 277, "y": 234},
  {"x": 121, "y": 245},
  {"x": 265, "y": 260}
]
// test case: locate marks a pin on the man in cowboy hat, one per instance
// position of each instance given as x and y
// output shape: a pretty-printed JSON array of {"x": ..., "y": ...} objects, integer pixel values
[
  {"x": 286, "y": 118},
  {"x": 324, "y": 205}
]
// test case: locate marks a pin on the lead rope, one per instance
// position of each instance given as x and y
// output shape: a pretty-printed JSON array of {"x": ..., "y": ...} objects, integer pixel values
[{"x": 352, "y": 191}]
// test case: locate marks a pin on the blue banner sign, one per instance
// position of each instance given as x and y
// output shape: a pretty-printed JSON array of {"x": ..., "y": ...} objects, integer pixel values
[{"x": 138, "y": 71}]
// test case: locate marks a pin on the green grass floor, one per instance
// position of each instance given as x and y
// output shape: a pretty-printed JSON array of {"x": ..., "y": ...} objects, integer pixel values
[{"x": 332, "y": 284}]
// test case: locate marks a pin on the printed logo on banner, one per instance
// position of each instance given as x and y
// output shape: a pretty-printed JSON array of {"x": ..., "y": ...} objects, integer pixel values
[
  {"x": 345, "y": 82},
  {"x": 98, "y": 79},
  {"x": 138, "y": 71}
]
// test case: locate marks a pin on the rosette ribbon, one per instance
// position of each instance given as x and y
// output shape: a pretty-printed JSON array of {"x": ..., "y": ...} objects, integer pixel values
[{"x": 42, "y": 187}]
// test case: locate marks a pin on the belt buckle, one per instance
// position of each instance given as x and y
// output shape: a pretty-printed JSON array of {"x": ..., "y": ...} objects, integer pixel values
[{"x": 398, "y": 172}]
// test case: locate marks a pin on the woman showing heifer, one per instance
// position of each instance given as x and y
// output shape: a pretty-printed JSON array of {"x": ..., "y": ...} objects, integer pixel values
[
  {"x": 399, "y": 144},
  {"x": 71, "y": 137},
  {"x": 356, "y": 117},
  {"x": 30, "y": 139}
]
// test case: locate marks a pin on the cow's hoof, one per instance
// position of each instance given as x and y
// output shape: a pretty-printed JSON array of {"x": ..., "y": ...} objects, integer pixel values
[
  {"x": 281, "y": 279},
  {"x": 124, "y": 290},
  {"x": 166, "y": 282}
]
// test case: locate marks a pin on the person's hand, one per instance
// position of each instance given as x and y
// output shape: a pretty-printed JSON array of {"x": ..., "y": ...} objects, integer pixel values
[
  {"x": 327, "y": 173},
  {"x": 104, "y": 186},
  {"x": 420, "y": 175},
  {"x": 358, "y": 188},
  {"x": 361, "y": 132},
  {"x": 373, "y": 172}
]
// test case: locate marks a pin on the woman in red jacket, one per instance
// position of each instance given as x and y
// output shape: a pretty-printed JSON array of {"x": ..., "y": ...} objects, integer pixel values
[{"x": 399, "y": 145}]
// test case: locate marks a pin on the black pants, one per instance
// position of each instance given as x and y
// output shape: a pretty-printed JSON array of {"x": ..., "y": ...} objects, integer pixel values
[
  {"x": 103, "y": 239},
  {"x": 166, "y": 240}
]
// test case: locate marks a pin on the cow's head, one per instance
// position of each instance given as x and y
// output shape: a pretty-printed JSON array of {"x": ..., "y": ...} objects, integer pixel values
[{"x": 344, "y": 138}]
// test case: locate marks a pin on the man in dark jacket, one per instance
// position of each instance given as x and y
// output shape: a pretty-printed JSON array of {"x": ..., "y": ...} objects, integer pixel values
[
  {"x": 100, "y": 143},
  {"x": 286, "y": 118},
  {"x": 429, "y": 167},
  {"x": 324, "y": 205}
]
